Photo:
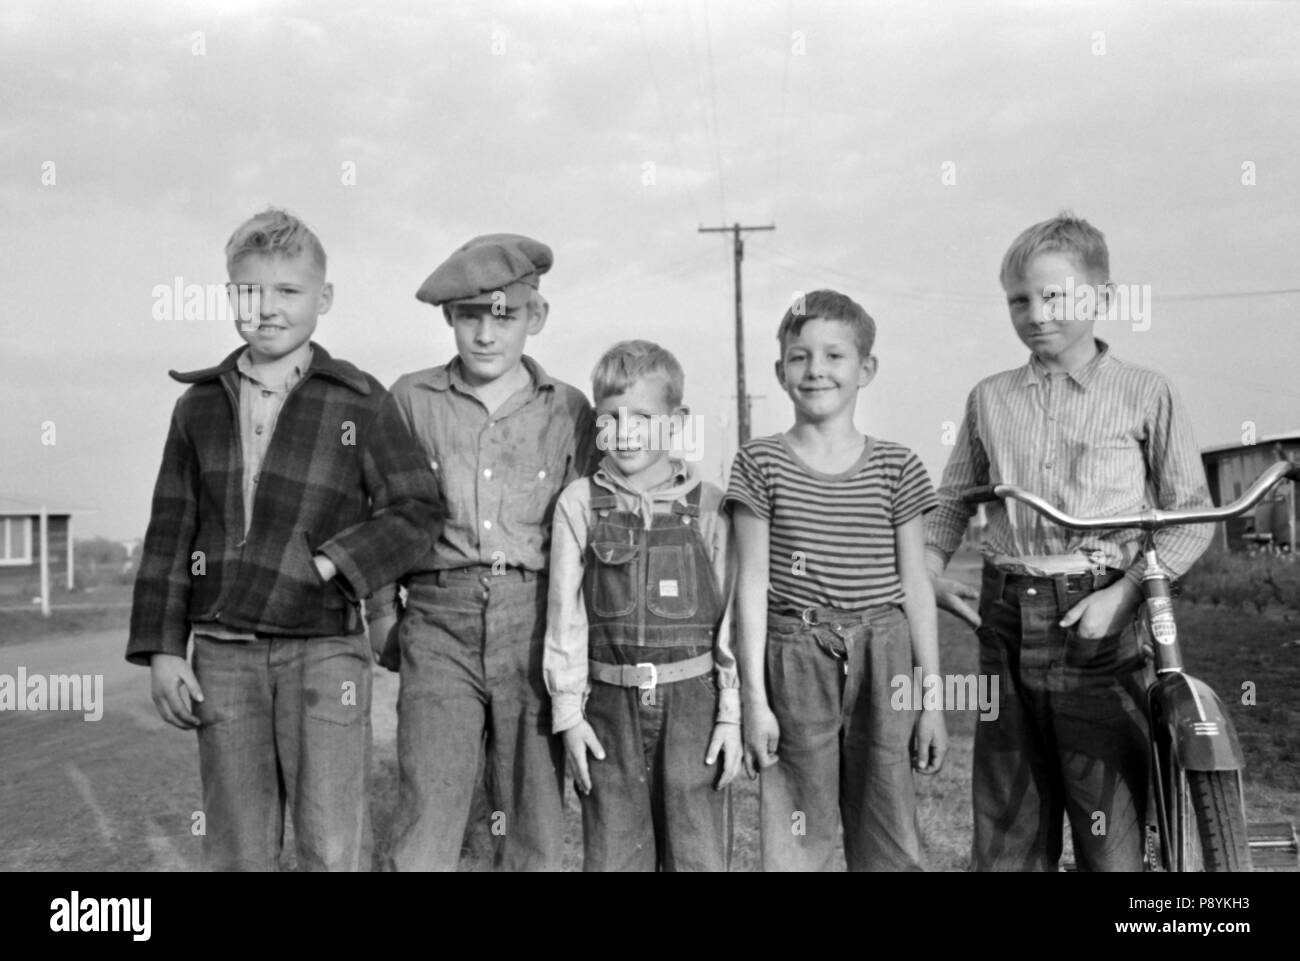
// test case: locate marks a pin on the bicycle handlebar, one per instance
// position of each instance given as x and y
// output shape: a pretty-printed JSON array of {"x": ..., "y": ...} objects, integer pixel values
[{"x": 1149, "y": 520}]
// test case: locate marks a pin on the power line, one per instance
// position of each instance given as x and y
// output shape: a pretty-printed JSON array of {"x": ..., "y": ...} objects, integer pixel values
[
  {"x": 663, "y": 107},
  {"x": 713, "y": 100}
]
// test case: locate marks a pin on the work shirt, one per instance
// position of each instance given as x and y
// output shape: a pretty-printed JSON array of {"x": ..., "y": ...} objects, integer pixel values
[
  {"x": 259, "y": 408},
  {"x": 1109, "y": 438},
  {"x": 500, "y": 471},
  {"x": 564, "y": 661}
]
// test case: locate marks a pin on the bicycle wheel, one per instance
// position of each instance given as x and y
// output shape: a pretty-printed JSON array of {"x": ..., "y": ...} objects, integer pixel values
[{"x": 1220, "y": 817}]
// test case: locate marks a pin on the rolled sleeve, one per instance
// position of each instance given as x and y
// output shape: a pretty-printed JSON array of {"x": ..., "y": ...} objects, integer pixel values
[{"x": 564, "y": 655}]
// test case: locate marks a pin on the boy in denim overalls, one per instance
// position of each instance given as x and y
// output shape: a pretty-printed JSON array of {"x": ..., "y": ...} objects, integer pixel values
[{"x": 638, "y": 660}]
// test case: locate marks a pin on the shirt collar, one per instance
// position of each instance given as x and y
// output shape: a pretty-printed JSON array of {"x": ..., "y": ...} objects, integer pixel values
[
  {"x": 678, "y": 484},
  {"x": 322, "y": 365},
  {"x": 442, "y": 378},
  {"x": 244, "y": 364},
  {"x": 1033, "y": 372}
]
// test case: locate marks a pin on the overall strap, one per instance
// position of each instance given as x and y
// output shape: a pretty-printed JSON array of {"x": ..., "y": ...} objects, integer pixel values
[
  {"x": 691, "y": 507},
  {"x": 601, "y": 499}
]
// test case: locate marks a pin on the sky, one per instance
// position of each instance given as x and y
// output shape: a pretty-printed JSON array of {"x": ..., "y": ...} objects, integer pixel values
[{"x": 898, "y": 148}]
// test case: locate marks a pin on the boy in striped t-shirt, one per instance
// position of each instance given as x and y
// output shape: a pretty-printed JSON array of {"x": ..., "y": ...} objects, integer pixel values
[{"x": 833, "y": 602}]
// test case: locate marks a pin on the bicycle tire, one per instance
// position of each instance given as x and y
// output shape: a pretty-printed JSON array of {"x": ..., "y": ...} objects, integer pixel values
[{"x": 1220, "y": 820}]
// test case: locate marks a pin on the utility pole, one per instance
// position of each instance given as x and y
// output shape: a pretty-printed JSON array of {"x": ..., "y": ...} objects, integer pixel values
[{"x": 742, "y": 397}]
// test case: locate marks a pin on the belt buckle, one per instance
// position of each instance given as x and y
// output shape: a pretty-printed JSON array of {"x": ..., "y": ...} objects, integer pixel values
[
  {"x": 654, "y": 677},
  {"x": 809, "y": 616},
  {"x": 648, "y": 689}
]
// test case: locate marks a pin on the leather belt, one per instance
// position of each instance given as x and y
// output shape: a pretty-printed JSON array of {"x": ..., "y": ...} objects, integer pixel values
[{"x": 648, "y": 676}]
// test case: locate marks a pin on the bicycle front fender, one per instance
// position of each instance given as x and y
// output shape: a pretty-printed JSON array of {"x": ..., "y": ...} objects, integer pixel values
[{"x": 1188, "y": 718}]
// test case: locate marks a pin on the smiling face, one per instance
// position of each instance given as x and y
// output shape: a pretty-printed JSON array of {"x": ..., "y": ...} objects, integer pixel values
[
  {"x": 292, "y": 294},
  {"x": 490, "y": 338},
  {"x": 822, "y": 370},
  {"x": 1058, "y": 333},
  {"x": 635, "y": 429}
]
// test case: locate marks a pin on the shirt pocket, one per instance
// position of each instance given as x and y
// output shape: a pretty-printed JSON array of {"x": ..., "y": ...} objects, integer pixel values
[
  {"x": 670, "y": 581},
  {"x": 617, "y": 570},
  {"x": 532, "y": 488},
  {"x": 1119, "y": 471}
]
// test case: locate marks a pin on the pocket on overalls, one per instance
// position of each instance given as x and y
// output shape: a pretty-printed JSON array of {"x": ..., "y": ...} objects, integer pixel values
[
  {"x": 670, "y": 581},
  {"x": 617, "y": 571}
]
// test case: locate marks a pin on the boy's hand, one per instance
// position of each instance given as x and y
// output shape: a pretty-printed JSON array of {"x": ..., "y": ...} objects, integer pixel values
[
  {"x": 383, "y": 641},
  {"x": 951, "y": 596},
  {"x": 1104, "y": 612},
  {"x": 325, "y": 567},
  {"x": 762, "y": 735},
  {"x": 578, "y": 740},
  {"x": 725, "y": 740},
  {"x": 929, "y": 743},
  {"x": 174, "y": 689}
]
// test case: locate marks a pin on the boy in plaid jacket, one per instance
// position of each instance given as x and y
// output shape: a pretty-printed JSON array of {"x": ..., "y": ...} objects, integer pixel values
[{"x": 289, "y": 489}]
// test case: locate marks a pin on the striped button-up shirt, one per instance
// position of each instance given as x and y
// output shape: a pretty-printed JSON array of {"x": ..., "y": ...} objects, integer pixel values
[{"x": 1109, "y": 438}]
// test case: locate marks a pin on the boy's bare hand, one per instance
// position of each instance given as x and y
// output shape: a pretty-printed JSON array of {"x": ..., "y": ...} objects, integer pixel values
[
  {"x": 1104, "y": 612},
  {"x": 951, "y": 596},
  {"x": 762, "y": 735},
  {"x": 383, "y": 641},
  {"x": 174, "y": 689},
  {"x": 929, "y": 743},
  {"x": 578, "y": 740},
  {"x": 725, "y": 741}
]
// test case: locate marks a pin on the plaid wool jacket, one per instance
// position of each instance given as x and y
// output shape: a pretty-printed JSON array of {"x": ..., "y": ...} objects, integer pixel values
[{"x": 342, "y": 477}]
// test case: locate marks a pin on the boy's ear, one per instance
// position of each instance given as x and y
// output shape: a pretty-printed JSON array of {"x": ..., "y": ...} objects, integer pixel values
[
  {"x": 537, "y": 314},
  {"x": 868, "y": 371},
  {"x": 780, "y": 374},
  {"x": 326, "y": 299},
  {"x": 446, "y": 313},
  {"x": 1104, "y": 294}
]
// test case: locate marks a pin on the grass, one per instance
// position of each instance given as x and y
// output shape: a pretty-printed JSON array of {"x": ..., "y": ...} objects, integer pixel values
[{"x": 1235, "y": 579}]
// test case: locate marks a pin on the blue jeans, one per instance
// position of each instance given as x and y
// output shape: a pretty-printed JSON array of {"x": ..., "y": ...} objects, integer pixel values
[
  {"x": 845, "y": 753},
  {"x": 1070, "y": 737},
  {"x": 471, "y": 683},
  {"x": 285, "y": 720},
  {"x": 652, "y": 803}
]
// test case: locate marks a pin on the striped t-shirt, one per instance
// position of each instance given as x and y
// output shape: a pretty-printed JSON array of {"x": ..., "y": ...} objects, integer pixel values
[{"x": 831, "y": 536}]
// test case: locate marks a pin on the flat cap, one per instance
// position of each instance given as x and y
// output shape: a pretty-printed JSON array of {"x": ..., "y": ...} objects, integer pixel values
[{"x": 507, "y": 263}]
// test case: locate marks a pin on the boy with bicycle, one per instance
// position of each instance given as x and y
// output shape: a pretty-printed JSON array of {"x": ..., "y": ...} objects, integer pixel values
[{"x": 1095, "y": 436}]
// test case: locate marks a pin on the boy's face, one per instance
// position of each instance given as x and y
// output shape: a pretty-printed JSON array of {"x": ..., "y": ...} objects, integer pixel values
[
  {"x": 635, "y": 427},
  {"x": 822, "y": 370},
  {"x": 292, "y": 293},
  {"x": 490, "y": 338},
  {"x": 1043, "y": 323}
]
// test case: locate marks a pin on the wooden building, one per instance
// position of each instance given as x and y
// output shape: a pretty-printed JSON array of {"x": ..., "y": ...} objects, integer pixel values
[
  {"x": 1230, "y": 469},
  {"x": 20, "y": 546}
]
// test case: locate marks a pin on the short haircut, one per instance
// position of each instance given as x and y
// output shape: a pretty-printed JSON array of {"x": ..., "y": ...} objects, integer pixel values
[
  {"x": 631, "y": 360},
  {"x": 1066, "y": 233},
  {"x": 274, "y": 232},
  {"x": 828, "y": 305}
]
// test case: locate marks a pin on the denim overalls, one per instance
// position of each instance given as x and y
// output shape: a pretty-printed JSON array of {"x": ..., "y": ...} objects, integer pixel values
[{"x": 653, "y": 607}]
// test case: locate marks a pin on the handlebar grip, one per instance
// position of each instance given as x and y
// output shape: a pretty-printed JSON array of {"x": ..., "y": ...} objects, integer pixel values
[{"x": 978, "y": 495}]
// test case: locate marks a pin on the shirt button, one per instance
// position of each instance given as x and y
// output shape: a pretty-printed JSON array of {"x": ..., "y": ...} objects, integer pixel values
[
  {"x": 266, "y": 393},
  {"x": 487, "y": 525},
  {"x": 488, "y": 473},
  {"x": 541, "y": 475},
  {"x": 492, "y": 423},
  {"x": 258, "y": 429},
  {"x": 1032, "y": 591}
]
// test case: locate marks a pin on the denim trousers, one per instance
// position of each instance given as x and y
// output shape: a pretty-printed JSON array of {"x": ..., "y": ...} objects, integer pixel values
[
  {"x": 472, "y": 691},
  {"x": 844, "y": 752},
  {"x": 284, "y": 720},
  {"x": 1069, "y": 739},
  {"x": 652, "y": 804}
]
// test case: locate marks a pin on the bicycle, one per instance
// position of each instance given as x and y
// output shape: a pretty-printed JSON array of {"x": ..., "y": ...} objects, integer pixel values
[{"x": 1196, "y": 761}]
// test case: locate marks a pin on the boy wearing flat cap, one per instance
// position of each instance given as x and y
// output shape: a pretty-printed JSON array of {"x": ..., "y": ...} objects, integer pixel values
[{"x": 504, "y": 440}]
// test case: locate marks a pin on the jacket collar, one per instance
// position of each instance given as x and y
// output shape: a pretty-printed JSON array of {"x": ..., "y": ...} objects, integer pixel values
[{"x": 322, "y": 365}]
